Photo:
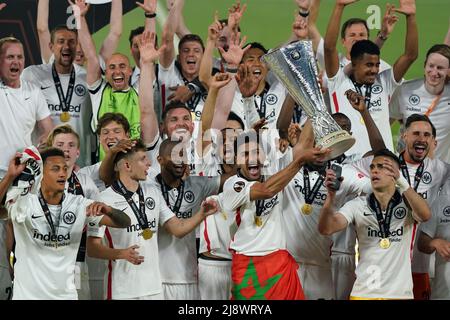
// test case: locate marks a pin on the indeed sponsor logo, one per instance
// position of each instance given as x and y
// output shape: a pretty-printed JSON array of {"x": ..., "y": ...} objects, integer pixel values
[
  {"x": 57, "y": 107},
  {"x": 377, "y": 233},
  {"x": 319, "y": 195},
  {"x": 185, "y": 214},
  {"x": 50, "y": 237},
  {"x": 137, "y": 226}
]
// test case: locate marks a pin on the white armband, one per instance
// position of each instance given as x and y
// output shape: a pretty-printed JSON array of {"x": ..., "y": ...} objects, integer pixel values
[{"x": 402, "y": 184}]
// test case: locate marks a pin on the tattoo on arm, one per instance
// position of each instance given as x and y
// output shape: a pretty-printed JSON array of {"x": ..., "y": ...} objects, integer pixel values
[{"x": 120, "y": 218}]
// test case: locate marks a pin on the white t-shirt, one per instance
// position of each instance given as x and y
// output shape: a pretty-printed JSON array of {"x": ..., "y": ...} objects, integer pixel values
[
  {"x": 435, "y": 173},
  {"x": 21, "y": 109},
  {"x": 125, "y": 279},
  {"x": 217, "y": 230},
  {"x": 45, "y": 268},
  {"x": 80, "y": 109},
  {"x": 381, "y": 273},
  {"x": 381, "y": 93},
  {"x": 412, "y": 97},
  {"x": 439, "y": 227},
  {"x": 250, "y": 239},
  {"x": 94, "y": 173},
  {"x": 178, "y": 257},
  {"x": 304, "y": 241}
]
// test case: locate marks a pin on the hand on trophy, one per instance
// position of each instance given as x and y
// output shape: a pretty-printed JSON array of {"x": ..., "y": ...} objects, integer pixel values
[{"x": 356, "y": 100}]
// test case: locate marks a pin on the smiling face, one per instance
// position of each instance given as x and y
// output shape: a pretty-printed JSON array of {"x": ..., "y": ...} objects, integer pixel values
[
  {"x": 252, "y": 59},
  {"x": 110, "y": 134},
  {"x": 250, "y": 159},
  {"x": 55, "y": 173},
  {"x": 12, "y": 62},
  {"x": 354, "y": 33},
  {"x": 178, "y": 124},
  {"x": 365, "y": 69},
  {"x": 190, "y": 56},
  {"x": 231, "y": 131},
  {"x": 436, "y": 70},
  {"x": 118, "y": 72},
  {"x": 418, "y": 138},
  {"x": 68, "y": 143},
  {"x": 64, "y": 47}
]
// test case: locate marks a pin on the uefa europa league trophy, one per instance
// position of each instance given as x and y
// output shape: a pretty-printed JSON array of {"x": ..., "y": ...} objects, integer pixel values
[{"x": 295, "y": 66}]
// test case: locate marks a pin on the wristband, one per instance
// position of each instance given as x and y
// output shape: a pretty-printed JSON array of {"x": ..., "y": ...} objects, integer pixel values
[
  {"x": 231, "y": 70},
  {"x": 402, "y": 184},
  {"x": 379, "y": 35},
  {"x": 150, "y": 15},
  {"x": 304, "y": 14}
]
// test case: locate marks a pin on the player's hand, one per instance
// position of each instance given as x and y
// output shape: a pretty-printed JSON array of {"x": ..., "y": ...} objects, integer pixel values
[
  {"x": 294, "y": 132},
  {"x": 80, "y": 7},
  {"x": 209, "y": 207},
  {"x": 2, "y": 5},
  {"x": 258, "y": 125},
  {"x": 407, "y": 7},
  {"x": 15, "y": 168},
  {"x": 330, "y": 178},
  {"x": 246, "y": 82},
  {"x": 215, "y": 28},
  {"x": 97, "y": 209},
  {"x": 356, "y": 100},
  {"x": 345, "y": 2},
  {"x": 389, "y": 20},
  {"x": 315, "y": 154},
  {"x": 219, "y": 80},
  {"x": 149, "y": 6},
  {"x": 300, "y": 27},
  {"x": 131, "y": 254},
  {"x": 123, "y": 145},
  {"x": 235, "y": 14},
  {"x": 180, "y": 93},
  {"x": 442, "y": 248},
  {"x": 391, "y": 170},
  {"x": 303, "y": 4},
  {"x": 147, "y": 49},
  {"x": 233, "y": 56}
]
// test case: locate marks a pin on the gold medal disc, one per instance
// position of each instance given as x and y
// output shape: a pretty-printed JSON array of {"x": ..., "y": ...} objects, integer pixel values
[
  {"x": 258, "y": 221},
  {"x": 307, "y": 209},
  {"x": 64, "y": 116},
  {"x": 147, "y": 234},
  {"x": 385, "y": 243}
]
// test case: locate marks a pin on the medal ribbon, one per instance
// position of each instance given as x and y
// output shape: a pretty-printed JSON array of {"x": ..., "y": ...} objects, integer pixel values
[
  {"x": 75, "y": 185},
  {"x": 139, "y": 213},
  {"x": 64, "y": 101},
  {"x": 367, "y": 93},
  {"x": 384, "y": 222},
  {"x": 165, "y": 192},
  {"x": 261, "y": 108},
  {"x": 405, "y": 172},
  {"x": 46, "y": 211},
  {"x": 311, "y": 194}
]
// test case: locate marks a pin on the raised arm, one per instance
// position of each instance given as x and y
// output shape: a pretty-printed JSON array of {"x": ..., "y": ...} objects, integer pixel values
[
  {"x": 447, "y": 37},
  {"x": 168, "y": 34},
  {"x": 277, "y": 182},
  {"x": 149, "y": 55},
  {"x": 87, "y": 44},
  {"x": 149, "y": 7},
  {"x": 358, "y": 103},
  {"x": 43, "y": 30},
  {"x": 181, "y": 29},
  {"x": 44, "y": 127},
  {"x": 330, "y": 221},
  {"x": 331, "y": 38},
  {"x": 181, "y": 227},
  {"x": 389, "y": 21},
  {"x": 15, "y": 168},
  {"x": 408, "y": 8},
  {"x": 111, "y": 41}
]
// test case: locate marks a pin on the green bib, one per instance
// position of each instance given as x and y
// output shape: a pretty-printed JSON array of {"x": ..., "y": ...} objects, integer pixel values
[{"x": 124, "y": 102}]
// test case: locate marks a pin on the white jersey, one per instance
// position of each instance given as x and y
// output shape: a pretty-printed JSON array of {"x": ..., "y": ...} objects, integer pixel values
[
  {"x": 178, "y": 257},
  {"x": 251, "y": 239},
  {"x": 381, "y": 273},
  {"x": 380, "y": 94},
  {"x": 304, "y": 241},
  {"x": 439, "y": 227},
  {"x": 412, "y": 97},
  {"x": 268, "y": 104},
  {"x": 21, "y": 109},
  {"x": 125, "y": 279},
  {"x": 94, "y": 173},
  {"x": 90, "y": 190},
  {"x": 80, "y": 109},
  {"x": 216, "y": 231},
  {"x": 45, "y": 263}
]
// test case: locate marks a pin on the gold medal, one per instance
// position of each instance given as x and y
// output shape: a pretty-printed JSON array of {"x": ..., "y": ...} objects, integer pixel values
[
  {"x": 147, "y": 234},
  {"x": 307, "y": 209},
  {"x": 385, "y": 243},
  {"x": 362, "y": 120},
  {"x": 64, "y": 116},
  {"x": 258, "y": 221},
  {"x": 224, "y": 215}
]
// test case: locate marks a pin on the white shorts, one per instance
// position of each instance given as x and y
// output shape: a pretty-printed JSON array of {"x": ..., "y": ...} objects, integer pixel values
[
  {"x": 317, "y": 281},
  {"x": 343, "y": 270},
  {"x": 214, "y": 279},
  {"x": 180, "y": 291},
  {"x": 157, "y": 296},
  {"x": 5, "y": 284}
]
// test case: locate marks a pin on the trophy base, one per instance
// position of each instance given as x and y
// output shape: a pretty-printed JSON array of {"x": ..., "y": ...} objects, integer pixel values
[{"x": 338, "y": 141}]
